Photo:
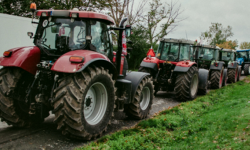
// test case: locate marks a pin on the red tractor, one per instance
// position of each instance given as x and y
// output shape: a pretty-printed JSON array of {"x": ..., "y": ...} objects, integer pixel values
[
  {"x": 173, "y": 69},
  {"x": 72, "y": 71}
]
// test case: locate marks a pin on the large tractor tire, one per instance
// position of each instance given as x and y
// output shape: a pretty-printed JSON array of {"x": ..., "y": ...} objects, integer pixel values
[
  {"x": 13, "y": 109},
  {"x": 186, "y": 84},
  {"x": 225, "y": 78},
  {"x": 246, "y": 69},
  {"x": 147, "y": 70},
  {"x": 239, "y": 73},
  {"x": 142, "y": 102},
  {"x": 217, "y": 78},
  {"x": 232, "y": 75},
  {"x": 84, "y": 103}
]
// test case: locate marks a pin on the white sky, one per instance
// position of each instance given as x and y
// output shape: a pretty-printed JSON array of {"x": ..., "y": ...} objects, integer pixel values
[{"x": 201, "y": 13}]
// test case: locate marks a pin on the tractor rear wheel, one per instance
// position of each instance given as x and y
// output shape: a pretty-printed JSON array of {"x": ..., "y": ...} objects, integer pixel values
[
  {"x": 142, "y": 102},
  {"x": 186, "y": 84},
  {"x": 232, "y": 75},
  {"x": 84, "y": 103},
  {"x": 246, "y": 69},
  {"x": 13, "y": 109},
  {"x": 217, "y": 78}
]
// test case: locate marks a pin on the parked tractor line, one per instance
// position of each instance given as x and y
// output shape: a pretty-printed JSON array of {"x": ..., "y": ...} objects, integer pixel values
[{"x": 46, "y": 136}]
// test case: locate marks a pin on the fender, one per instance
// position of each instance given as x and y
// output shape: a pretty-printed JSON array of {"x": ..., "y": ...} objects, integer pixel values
[
  {"x": 232, "y": 65},
  {"x": 203, "y": 79},
  {"x": 23, "y": 57},
  {"x": 183, "y": 66},
  {"x": 63, "y": 64},
  {"x": 219, "y": 67},
  {"x": 150, "y": 63},
  {"x": 135, "y": 78}
]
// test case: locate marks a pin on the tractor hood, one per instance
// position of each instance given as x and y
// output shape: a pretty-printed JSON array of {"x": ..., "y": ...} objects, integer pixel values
[
  {"x": 240, "y": 60},
  {"x": 63, "y": 64}
]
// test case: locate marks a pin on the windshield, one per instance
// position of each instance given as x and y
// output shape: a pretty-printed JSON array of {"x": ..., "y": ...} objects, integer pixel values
[
  {"x": 226, "y": 56},
  {"x": 241, "y": 55},
  {"x": 62, "y": 34},
  {"x": 170, "y": 51},
  {"x": 208, "y": 54}
]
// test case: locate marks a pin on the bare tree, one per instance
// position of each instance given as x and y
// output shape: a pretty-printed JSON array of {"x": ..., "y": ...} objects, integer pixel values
[{"x": 161, "y": 20}]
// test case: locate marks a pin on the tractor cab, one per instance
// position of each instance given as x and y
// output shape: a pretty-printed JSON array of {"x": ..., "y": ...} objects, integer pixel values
[
  {"x": 175, "y": 50},
  {"x": 206, "y": 55},
  {"x": 228, "y": 56},
  {"x": 61, "y": 31}
]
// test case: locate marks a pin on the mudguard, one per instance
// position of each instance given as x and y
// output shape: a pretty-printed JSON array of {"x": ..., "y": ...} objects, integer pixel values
[
  {"x": 219, "y": 67},
  {"x": 63, "y": 64},
  {"x": 232, "y": 65},
  {"x": 135, "y": 78},
  {"x": 183, "y": 66},
  {"x": 203, "y": 78},
  {"x": 149, "y": 65},
  {"x": 23, "y": 57}
]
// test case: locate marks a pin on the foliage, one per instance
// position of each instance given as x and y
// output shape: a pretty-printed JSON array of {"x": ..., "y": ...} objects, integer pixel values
[
  {"x": 159, "y": 15},
  {"x": 228, "y": 44},
  {"x": 139, "y": 47},
  {"x": 219, "y": 120},
  {"x": 217, "y": 34},
  {"x": 22, "y": 7},
  {"x": 245, "y": 45}
]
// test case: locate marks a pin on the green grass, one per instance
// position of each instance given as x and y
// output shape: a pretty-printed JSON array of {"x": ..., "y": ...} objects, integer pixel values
[{"x": 219, "y": 120}]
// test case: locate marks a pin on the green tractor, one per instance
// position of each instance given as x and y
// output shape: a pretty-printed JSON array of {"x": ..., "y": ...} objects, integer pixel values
[{"x": 233, "y": 69}]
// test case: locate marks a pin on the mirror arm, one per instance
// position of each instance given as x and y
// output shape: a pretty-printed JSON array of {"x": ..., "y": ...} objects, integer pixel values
[{"x": 34, "y": 22}]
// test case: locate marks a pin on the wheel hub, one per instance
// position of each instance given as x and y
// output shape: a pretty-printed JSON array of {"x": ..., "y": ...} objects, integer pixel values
[
  {"x": 145, "y": 98},
  {"x": 95, "y": 103}
]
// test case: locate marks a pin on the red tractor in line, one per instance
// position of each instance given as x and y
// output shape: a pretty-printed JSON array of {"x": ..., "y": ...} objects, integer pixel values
[
  {"x": 72, "y": 71},
  {"x": 173, "y": 69}
]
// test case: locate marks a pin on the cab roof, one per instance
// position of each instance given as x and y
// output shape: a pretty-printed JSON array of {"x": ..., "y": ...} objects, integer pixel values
[
  {"x": 171, "y": 40},
  {"x": 228, "y": 50},
  {"x": 243, "y": 50},
  {"x": 80, "y": 14}
]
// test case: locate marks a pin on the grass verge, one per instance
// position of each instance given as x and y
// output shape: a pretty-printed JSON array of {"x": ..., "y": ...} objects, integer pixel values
[{"x": 219, "y": 120}]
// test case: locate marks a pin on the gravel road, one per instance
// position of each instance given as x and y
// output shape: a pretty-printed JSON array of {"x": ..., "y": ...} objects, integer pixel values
[{"x": 47, "y": 137}]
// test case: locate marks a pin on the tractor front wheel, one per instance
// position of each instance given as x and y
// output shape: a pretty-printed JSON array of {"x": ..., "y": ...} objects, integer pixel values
[
  {"x": 232, "y": 75},
  {"x": 225, "y": 77},
  {"x": 142, "y": 102},
  {"x": 186, "y": 84},
  {"x": 84, "y": 103},
  {"x": 217, "y": 78},
  {"x": 239, "y": 73}
]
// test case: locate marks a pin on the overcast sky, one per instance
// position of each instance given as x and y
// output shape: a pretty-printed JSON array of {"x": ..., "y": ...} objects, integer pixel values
[{"x": 200, "y": 14}]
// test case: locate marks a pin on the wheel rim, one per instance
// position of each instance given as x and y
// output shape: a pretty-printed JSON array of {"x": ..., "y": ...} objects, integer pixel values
[
  {"x": 249, "y": 70},
  {"x": 221, "y": 78},
  {"x": 194, "y": 85},
  {"x": 95, "y": 103},
  {"x": 145, "y": 98}
]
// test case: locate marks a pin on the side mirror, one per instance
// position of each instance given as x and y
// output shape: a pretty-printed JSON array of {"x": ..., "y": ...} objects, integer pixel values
[
  {"x": 30, "y": 34},
  {"x": 129, "y": 49},
  {"x": 128, "y": 30},
  {"x": 129, "y": 42},
  {"x": 55, "y": 29}
]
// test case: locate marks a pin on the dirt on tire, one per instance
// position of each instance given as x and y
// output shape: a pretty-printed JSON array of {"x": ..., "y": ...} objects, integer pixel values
[
  {"x": 183, "y": 84},
  {"x": 232, "y": 75},
  {"x": 134, "y": 109},
  {"x": 69, "y": 103},
  {"x": 246, "y": 69},
  {"x": 13, "y": 83},
  {"x": 216, "y": 79}
]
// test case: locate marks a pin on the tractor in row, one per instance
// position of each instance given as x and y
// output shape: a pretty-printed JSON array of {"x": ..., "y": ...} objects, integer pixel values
[
  {"x": 173, "y": 68},
  {"x": 73, "y": 72},
  {"x": 243, "y": 60}
]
